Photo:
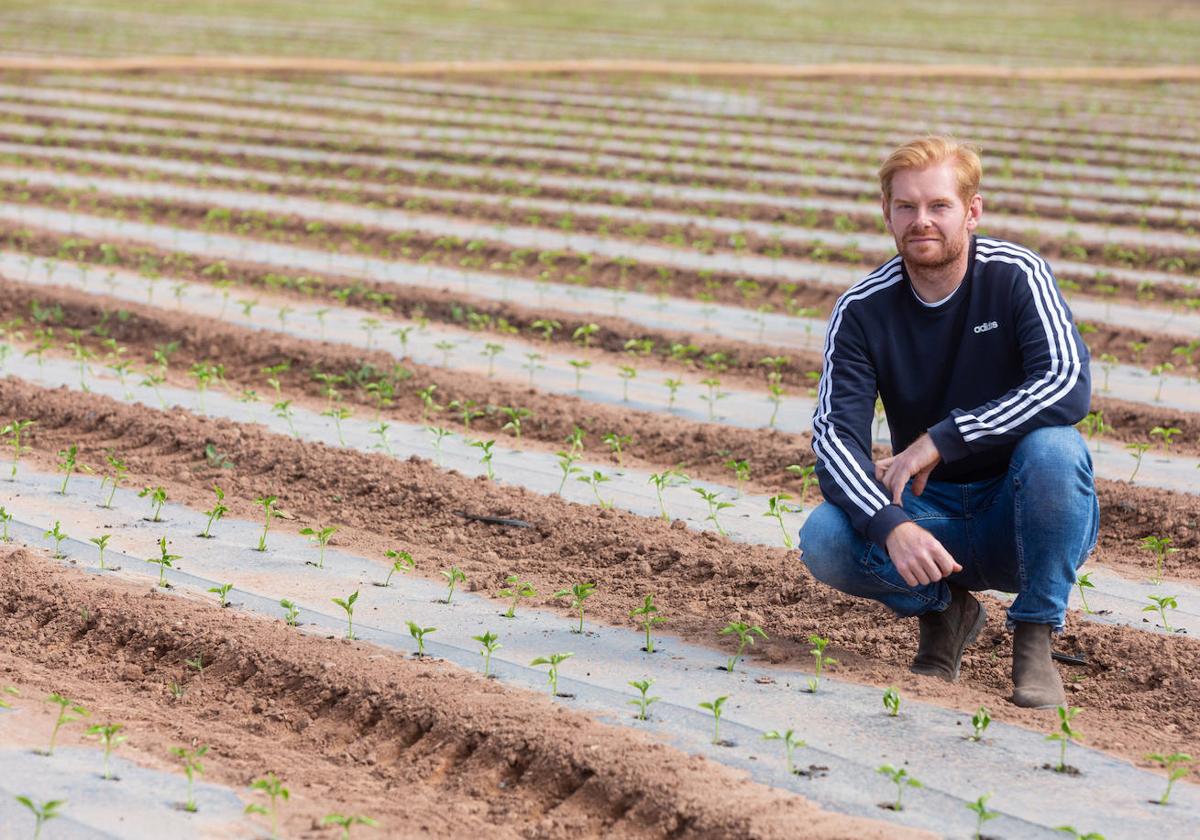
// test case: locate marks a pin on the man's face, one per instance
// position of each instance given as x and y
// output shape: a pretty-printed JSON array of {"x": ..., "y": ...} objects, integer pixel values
[{"x": 927, "y": 218}]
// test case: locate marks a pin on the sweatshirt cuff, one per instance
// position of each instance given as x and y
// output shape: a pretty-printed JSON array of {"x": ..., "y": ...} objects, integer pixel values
[
  {"x": 882, "y": 523},
  {"x": 948, "y": 440}
]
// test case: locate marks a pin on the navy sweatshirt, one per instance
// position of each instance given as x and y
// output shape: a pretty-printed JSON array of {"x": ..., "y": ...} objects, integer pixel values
[{"x": 997, "y": 359}]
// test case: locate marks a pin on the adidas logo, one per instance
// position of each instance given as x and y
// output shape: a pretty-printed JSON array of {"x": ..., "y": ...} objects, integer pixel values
[{"x": 985, "y": 326}]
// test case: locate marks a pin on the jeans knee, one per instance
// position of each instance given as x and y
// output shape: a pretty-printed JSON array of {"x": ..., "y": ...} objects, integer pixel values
[
  {"x": 1053, "y": 451},
  {"x": 828, "y": 545}
]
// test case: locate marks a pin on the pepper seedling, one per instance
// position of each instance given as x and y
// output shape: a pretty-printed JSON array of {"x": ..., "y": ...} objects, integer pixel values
[
  {"x": 5, "y": 519},
  {"x": 715, "y": 506},
  {"x": 164, "y": 561},
  {"x": 191, "y": 766},
  {"x": 275, "y": 791},
  {"x": 979, "y": 723},
  {"x": 491, "y": 644},
  {"x": 418, "y": 632},
  {"x": 1175, "y": 765},
  {"x": 647, "y": 615},
  {"x": 11, "y": 691},
  {"x": 110, "y": 740},
  {"x": 402, "y": 561},
  {"x": 218, "y": 511},
  {"x": 745, "y": 635},
  {"x": 982, "y": 814},
  {"x": 268, "y": 505},
  {"x": 319, "y": 537},
  {"x": 566, "y": 463},
  {"x": 101, "y": 543},
  {"x": 820, "y": 661},
  {"x": 118, "y": 473},
  {"x": 643, "y": 702},
  {"x": 222, "y": 592},
  {"x": 43, "y": 813},
  {"x": 68, "y": 712},
  {"x": 158, "y": 497},
  {"x": 579, "y": 593},
  {"x": 347, "y": 604},
  {"x": 68, "y": 464},
  {"x": 1076, "y": 834},
  {"x": 662, "y": 481},
  {"x": 13, "y": 430},
  {"x": 453, "y": 575},
  {"x": 58, "y": 535},
  {"x": 1160, "y": 546},
  {"x": 716, "y": 707},
  {"x": 290, "y": 611},
  {"x": 553, "y": 660},
  {"x": 776, "y": 508},
  {"x": 346, "y": 821},
  {"x": 901, "y": 779},
  {"x": 485, "y": 446},
  {"x": 1161, "y": 604},
  {"x": 891, "y": 701},
  {"x": 516, "y": 589},
  {"x": 1084, "y": 581},
  {"x": 1065, "y": 734},
  {"x": 594, "y": 481},
  {"x": 790, "y": 743}
]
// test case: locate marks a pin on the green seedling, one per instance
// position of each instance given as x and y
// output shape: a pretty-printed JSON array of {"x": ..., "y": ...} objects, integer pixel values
[
  {"x": 745, "y": 636},
  {"x": 1161, "y": 604},
  {"x": 338, "y": 413},
  {"x": 43, "y": 813},
  {"x": 5, "y": 519},
  {"x": 807, "y": 479},
  {"x": 1137, "y": 451},
  {"x": 453, "y": 576},
  {"x": 1084, "y": 582},
  {"x": 1076, "y": 834},
  {"x": 594, "y": 481},
  {"x": 56, "y": 533},
  {"x": 515, "y": 416},
  {"x": 533, "y": 365},
  {"x": 891, "y": 701},
  {"x": 164, "y": 561},
  {"x": 673, "y": 386},
  {"x": 68, "y": 464},
  {"x": 716, "y": 706},
  {"x": 626, "y": 372},
  {"x": 418, "y": 632},
  {"x": 579, "y": 593},
  {"x": 196, "y": 662},
  {"x": 820, "y": 661},
  {"x": 319, "y": 537},
  {"x": 485, "y": 446},
  {"x": 347, "y": 604},
  {"x": 1065, "y": 734},
  {"x": 346, "y": 821},
  {"x": 566, "y": 463},
  {"x": 68, "y": 712},
  {"x": 1160, "y": 546},
  {"x": 491, "y": 644},
  {"x": 580, "y": 365},
  {"x": 191, "y": 766},
  {"x": 776, "y": 508},
  {"x": 218, "y": 511},
  {"x": 1166, "y": 434},
  {"x": 901, "y": 779},
  {"x": 13, "y": 431},
  {"x": 790, "y": 744},
  {"x": 284, "y": 409},
  {"x": 118, "y": 473},
  {"x": 662, "y": 481},
  {"x": 1176, "y": 766},
  {"x": 158, "y": 498},
  {"x": 402, "y": 561},
  {"x": 575, "y": 441},
  {"x": 647, "y": 615},
  {"x": 268, "y": 505},
  {"x": 980, "y": 809},
  {"x": 643, "y": 702},
  {"x": 109, "y": 740},
  {"x": 11, "y": 691},
  {"x": 553, "y": 660},
  {"x": 715, "y": 506},
  {"x": 491, "y": 350},
  {"x": 290, "y": 611},
  {"x": 382, "y": 431},
  {"x": 616, "y": 443},
  {"x": 275, "y": 791},
  {"x": 979, "y": 723},
  {"x": 516, "y": 589},
  {"x": 222, "y": 592},
  {"x": 741, "y": 473},
  {"x": 439, "y": 434}
]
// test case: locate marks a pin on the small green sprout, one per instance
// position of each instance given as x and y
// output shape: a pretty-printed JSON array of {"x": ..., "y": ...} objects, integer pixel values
[
  {"x": 485, "y": 446},
  {"x": 776, "y": 508},
  {"x": 274, "y": 789},
  {"x": 715, "y": 506},
  {"x": 1076, "y": 834},
  {"x": 347, "y": 821},
  {"x": 284, "y": 409},
  {"x": 741, "y": 473},
  {"x": 1166, "y": 433},
  {"x": 1175, "y": 765},
  {"x": 43, "y": 813},
  {"x": 453, "y": 575},
  {"x": 891, "y": 701},
  {"x": 158, "y": 497},
  {"x": 820, "y": 661},
  {"x": 491, "y": 644},
  {"x": 566, "y": 463},
  {"x": 745, "y": 636},
  {"x": 979, "y": 723},
  {"x": 382, "y": 431},
  {"x": 290, "y": 611},
  {"x": 196, "y": 662},
  {"x": 191, "y": 766},
  {"x": 347, "y": 604},
  {"x": 1161, "y": 604},
  {"x": 218, "y": 511},
  {"x": 418, "y": 632},
  {"x": 13, "y": 430},
  {"x": 616, "y": 444},
  {"x": 1065, "y": 734},
  {"x": 58, "y": 535},
  {"x": 673, "y": 386},
  {"x": 118, "y": 472},
  {"x": 647, "y": 615},
  {"x": 579, "y": 593},
  {"x": 790, "y": 743},
  {"x": 580, "y": 365},
  {"x": 5, "y": 519},
  {"x": 319, "y": 537},
  {"x": 901, "y": 779},
  {"x": 402, "y": 561},
  {"x": 439, "y": 434},
  {"x": 594, "y": 481},
  {"x": 516, "y": 589},
  {"x": 1161, "y": 547},
  {"x": 980, "y": 809},
  {"x": 164, "y": 561},
  {"x": 553, "y": 660},
  {"x": 1137, "y": 451},
  {"x": 643, "y": 702},
  {"x": 11, "y": 691},
  {"x": 268, "y": 505},
  {"x": 338, "y": 413},
  {"x": 716, "y": 706},
  {"x": 515, "y": 416},
  {"x": 68, "y": 464},
  {"x": 101, "y": 543},
  {"x": 663, "y": 480},
  {"x": 110, "y": 740},
  {"x": 68, "y": 712},
  {"x": 1084, "y": 581},
  {"x": 222, "y": 593}
]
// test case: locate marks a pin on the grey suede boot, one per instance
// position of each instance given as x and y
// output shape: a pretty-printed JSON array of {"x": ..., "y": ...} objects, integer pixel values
[
  {"x": 944, "y": 635},
  {"x": 1036, "y": 682}
]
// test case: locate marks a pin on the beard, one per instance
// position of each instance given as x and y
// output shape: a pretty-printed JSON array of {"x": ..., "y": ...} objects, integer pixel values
[{"x": 921, "y": 255}]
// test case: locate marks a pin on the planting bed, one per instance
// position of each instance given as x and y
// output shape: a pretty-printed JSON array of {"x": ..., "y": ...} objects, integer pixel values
[{"x": 256, "y": 284}]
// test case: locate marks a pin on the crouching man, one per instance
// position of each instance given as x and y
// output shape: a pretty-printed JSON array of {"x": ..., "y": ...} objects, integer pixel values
[{"x": 982, "y": 375}]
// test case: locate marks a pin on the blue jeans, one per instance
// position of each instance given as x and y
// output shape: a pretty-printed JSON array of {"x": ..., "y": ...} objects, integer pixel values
[{"x": 1026, "y": 531}]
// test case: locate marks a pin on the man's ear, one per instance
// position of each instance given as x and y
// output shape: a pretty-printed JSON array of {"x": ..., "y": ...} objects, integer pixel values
[{"x": 974, "y": 211}]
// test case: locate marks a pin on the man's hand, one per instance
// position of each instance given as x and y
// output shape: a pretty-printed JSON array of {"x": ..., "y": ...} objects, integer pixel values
[
  {"x": 918, "y": 556},
  {"x": 915, "y": 462}
]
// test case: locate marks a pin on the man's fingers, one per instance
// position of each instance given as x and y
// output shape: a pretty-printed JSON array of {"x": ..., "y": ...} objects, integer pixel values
[
  {"x": 907, "y": 575},
  {"x": 918, "y": 486}
]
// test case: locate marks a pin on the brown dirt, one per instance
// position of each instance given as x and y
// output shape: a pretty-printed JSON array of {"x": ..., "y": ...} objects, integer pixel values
[
  {"x": 1131, "y": 688},
  {"x": 346, "y": 725}
]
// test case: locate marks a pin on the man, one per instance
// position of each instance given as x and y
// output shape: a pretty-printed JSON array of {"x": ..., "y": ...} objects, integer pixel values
[{"x": 982, "y": 375}]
